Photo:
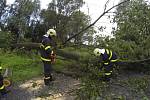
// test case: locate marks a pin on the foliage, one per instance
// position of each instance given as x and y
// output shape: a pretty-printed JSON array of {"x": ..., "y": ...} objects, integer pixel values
[
  {"x": 93, "y": 87},
  {"x": 2, "y": 10},
  {"x": 27, "y": 21},
  {"x": 80, "y": 20},
  {"x": 5, "y": 39},
  {"x": 133, "y": 29},
  {"x": 18, "y": 17},
  {"x": 3, "y": 5}
]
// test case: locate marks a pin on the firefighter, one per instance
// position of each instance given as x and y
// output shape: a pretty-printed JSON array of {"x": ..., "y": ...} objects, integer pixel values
[
  {"x": 46, "y": 54},
  {"x": 2, "y": 87},
  {"x": 108, "y": 60}
]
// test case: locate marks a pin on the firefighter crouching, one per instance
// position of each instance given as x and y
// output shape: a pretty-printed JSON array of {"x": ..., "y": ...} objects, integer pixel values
[
  {"x": 108, "y": 60},
  {"x": 47, "y": 55}
]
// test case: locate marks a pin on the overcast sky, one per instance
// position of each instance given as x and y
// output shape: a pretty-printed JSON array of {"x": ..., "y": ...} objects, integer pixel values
[{"x": 93, "y": 8}]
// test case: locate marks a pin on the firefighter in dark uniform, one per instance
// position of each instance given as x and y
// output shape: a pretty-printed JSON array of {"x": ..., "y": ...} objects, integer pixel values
[
  {"x": 2, "y": 87},
  {"x": 108, "y": 60},
  {"x": 46, "y": 53}
]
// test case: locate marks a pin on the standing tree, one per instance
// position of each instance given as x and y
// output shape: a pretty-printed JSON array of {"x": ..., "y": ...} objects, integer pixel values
[
  {"x": 20, "y": 15},
  {"x": 59, "y": 14},
  {"x": 133, "y": 30}
]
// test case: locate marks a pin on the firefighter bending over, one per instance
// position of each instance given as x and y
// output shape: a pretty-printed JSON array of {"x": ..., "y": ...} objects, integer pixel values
[
  {"x": 108, "y": 60},
  {"x": 46, "y": 55}
]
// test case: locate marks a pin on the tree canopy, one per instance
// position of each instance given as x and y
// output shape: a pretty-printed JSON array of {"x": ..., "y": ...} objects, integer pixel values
[{"x": 28, "y": 22}]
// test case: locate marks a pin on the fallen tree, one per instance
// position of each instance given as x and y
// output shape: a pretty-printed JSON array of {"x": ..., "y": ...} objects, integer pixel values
[{"x": 76, "y": 57}]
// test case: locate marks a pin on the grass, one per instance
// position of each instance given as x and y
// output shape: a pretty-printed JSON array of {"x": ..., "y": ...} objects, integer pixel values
[{"x": 25, "y": 67}]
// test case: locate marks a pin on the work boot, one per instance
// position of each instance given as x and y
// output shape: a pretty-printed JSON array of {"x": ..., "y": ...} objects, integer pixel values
[{"x": 47, "y": 81}]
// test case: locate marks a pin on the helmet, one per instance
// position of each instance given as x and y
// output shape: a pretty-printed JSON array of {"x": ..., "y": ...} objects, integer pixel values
[
  {"x": 51, "y": 32},
  {"x": 1, "y": 69},
  {"x": 98, "y": 51}
]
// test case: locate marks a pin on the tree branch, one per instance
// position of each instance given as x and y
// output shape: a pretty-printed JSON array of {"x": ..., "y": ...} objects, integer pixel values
[
  {"x": 94, "y": 21},
  {"x": 106, "y": 5}
]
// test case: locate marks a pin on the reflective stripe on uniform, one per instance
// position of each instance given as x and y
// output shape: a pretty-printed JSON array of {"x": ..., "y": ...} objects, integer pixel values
[
  {"x": 41, "y": 46},
  {"x": 45, "y": 59},
  {"x": 110, "y": 55},
  {"x": 106, "y": 63},
  {"x": 2, "y": 87},
  {"x": 114, "y": 60},
  {"x": 47, "y": 78},
  {"x": 107, "y": 73},
  {"x": 107, "y": 51},
  {"x": 47, "y": 47}
]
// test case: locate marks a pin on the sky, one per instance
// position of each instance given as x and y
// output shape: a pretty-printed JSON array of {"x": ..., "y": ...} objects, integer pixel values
[{"x": 94, "y": 8}]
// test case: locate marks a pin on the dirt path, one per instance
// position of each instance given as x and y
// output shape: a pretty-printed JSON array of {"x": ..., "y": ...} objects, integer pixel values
[{"x": 61, "y": 89}]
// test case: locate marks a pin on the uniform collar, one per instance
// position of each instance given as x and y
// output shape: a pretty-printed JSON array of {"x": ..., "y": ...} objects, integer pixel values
[
  {"x": 102, "y": 51},
  {"x": 45, "y": 35}
]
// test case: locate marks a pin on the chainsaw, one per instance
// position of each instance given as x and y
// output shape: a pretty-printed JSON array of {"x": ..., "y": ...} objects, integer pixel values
[{"x": 53, "y": 57}]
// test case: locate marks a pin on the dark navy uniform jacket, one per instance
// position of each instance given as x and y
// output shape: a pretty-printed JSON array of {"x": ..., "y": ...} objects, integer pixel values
[
  {"x": 108, "y": 57},
  {"x": 46, "y": 48}
]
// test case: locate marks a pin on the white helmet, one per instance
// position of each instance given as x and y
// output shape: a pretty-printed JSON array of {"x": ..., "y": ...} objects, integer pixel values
[
  {"x": 98, "y": 51},
  {"x": 51, "y": 32}
]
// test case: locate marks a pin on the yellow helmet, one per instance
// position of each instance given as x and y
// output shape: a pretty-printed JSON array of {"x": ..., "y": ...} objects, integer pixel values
[
  {"x": 0, "y": 67},
  {"x": 51, "y": 32},
  {"x": 98, "y": 51}
]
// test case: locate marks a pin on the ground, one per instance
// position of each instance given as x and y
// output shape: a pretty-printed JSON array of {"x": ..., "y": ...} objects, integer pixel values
[
  {"x": 61, "y": 89},
  {"x": 127, "y": 86}
]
